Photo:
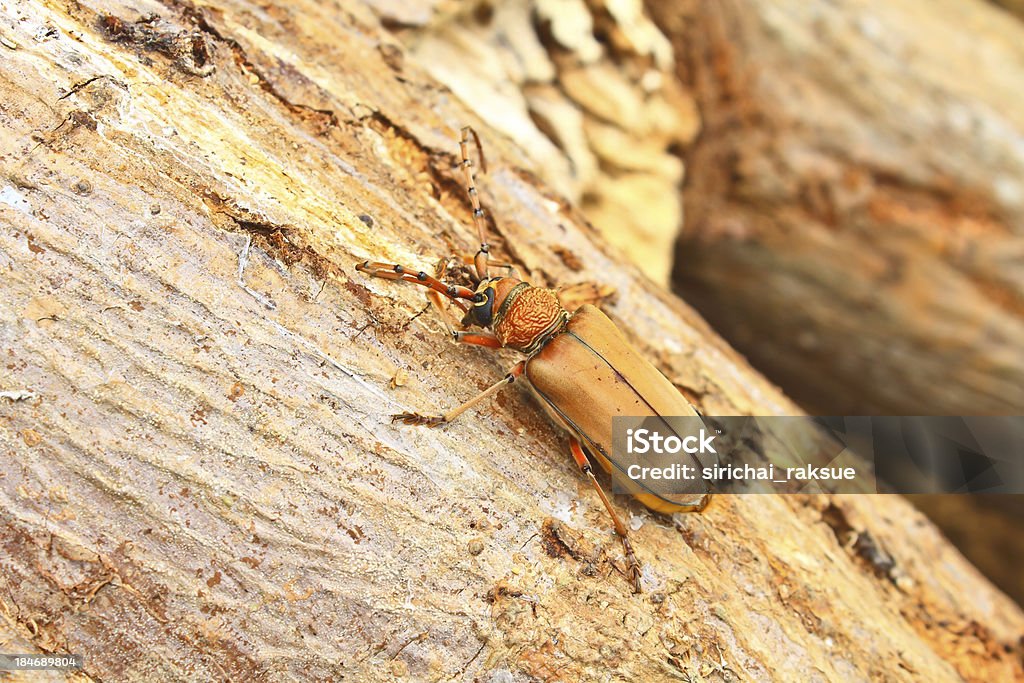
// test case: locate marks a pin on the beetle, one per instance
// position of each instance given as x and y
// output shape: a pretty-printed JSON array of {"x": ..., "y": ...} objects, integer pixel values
[{"x": 579, "y": 364}]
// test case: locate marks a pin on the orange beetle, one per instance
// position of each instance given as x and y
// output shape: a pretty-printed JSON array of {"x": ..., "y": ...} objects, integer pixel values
[{"x": 578, "y": 363}]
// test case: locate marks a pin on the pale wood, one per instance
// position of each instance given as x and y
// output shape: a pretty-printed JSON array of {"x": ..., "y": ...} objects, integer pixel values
[
  {"x": 206, "y": 483},
  {"x": 587, "y": 93}
]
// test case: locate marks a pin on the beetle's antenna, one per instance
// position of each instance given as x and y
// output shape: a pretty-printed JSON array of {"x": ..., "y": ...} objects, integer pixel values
[
  {"x": 390, "y": 271},
  {"x": 481, "y": 258}
]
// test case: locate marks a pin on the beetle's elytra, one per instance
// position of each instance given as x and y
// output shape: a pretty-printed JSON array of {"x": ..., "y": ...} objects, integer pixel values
[{"x": 578, "y": 363}]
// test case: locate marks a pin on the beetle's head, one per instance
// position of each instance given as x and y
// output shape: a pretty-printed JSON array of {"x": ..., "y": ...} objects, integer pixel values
[
  {"x": 522, "y": 316},
  {"x": 488, "y": 300}
]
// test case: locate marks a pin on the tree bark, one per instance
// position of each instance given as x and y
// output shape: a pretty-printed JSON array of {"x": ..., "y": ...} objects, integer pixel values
[
  {"x": 203, "y": 481},
  {"x": 855, "y": 203},
  {"x": 1014, "y": 7}
]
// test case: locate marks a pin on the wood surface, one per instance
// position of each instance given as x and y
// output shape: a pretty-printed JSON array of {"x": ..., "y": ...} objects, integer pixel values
[
  {"x": 855, "y": 201},
  {"x": 203, "y": 481}
]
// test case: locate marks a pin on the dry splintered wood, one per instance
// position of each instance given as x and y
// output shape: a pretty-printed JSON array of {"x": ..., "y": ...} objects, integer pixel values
[
  {"x": 204, "y": 482},
  {"x": 855, "y": 202},
  {"x": 587, "y": 92}
]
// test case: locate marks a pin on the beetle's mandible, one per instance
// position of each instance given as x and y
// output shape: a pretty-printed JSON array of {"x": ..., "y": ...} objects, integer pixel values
[{"x": 578, "y": 363}]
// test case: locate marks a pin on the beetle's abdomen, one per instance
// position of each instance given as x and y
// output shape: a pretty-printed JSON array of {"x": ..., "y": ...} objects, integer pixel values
[
  {"x": 590, "y": 374},
  {"x": 531, "y": 316}
]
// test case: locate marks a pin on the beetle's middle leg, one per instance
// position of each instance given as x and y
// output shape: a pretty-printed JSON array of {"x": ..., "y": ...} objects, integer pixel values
[
  {"x": 434, "y": 421},
  {"x": 477, "y": 339},
  {"x": 620, "y": 528},
  {"x": 573, "y": 296}
]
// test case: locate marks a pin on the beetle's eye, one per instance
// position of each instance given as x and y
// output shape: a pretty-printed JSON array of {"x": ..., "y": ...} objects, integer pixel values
[{"x": 483, "y": 302}]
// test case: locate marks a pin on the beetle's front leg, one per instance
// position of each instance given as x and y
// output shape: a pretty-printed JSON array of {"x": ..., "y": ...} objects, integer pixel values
[
  {"x": 584, "y": 464},
  {"x": 440, "y": 270},
  {"x": 477, "y": 339},
  {"x": 434, "y": 421}
]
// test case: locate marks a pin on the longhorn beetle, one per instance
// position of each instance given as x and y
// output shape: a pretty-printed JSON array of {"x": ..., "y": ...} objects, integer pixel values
[{"x": 578, "y": 363}]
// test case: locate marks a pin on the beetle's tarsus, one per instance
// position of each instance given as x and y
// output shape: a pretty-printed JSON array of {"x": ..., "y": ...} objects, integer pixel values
[
  {"x": 634, "y": 565},
  {"x": 417, "y": 419}
]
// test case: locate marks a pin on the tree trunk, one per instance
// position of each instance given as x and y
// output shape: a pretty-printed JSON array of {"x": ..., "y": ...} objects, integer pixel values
[
  {"x": 203, "y": 481},
  {"x": 1015, "y": 7},
  {"x": 855, "y": 203}
]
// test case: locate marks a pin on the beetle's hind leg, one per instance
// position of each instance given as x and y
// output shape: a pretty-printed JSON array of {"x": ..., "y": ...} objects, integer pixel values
[
  {"x": 437, "y": 420},
  {"x": 584, "y": 464}
]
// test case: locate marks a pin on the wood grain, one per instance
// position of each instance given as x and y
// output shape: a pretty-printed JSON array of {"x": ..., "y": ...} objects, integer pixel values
[{"x": 206, "y": 484}]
